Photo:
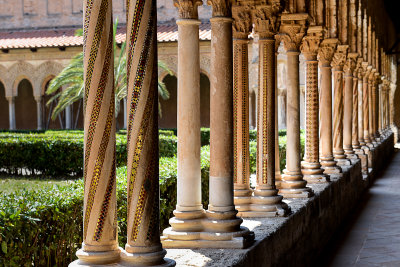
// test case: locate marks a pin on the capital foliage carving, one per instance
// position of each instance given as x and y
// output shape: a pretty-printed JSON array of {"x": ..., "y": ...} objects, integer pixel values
[
  {"x": 292, "y": 30},
  {"x": 326, "y": 51},
  {"x": 187, "y": 9},
  {"x": 242, "y": 25},
  {"x": 266, "y": 22},
  {"x": 220, "y": 8},
  {"x": 340, "y": 56},
  {"x": 359, "y": 69},
  {"x": 351, "y": 63},
  {"x": 310, "y": 43}
]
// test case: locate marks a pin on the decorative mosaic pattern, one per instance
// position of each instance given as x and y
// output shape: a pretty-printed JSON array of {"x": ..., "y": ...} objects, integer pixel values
[
  {"x": 88, "y": 12},
  {"x": 236, "y": 49},
  {"x": 354, "y": 130},
  {"x": 98, "y": 100},
  {"x": 312, "y": 109},
  {"x": 338, "y": 112},
  {"x": 98, "y": 33},
  {"x": 366, "y": 111},
  {"x": 105, "y": 205},
  {"x": 245, "y": 116}
]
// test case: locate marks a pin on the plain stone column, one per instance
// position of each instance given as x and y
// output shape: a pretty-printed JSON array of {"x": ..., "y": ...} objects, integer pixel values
[
  {"x": 327, "y": 49},
  {"x": 371, "y": 115},
  {"x": 39, "y": 112},
  {"x": 293, "y": 185},
  {"x": 100, "y": 230},
  {"x": 311, "y": 167},
  {"x": 125, "y": 107},
  {"x": 68, "y": 122},
  {"x": 11, "y": 112},
  {"x": 338, "y": 108},
  {"x": 360, "y": 109},
  {"x": 348, "y": 106},
  {"x": 366, "y": 106}
]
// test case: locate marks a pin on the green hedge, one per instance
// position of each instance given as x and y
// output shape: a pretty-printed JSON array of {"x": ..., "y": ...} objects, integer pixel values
[
  {"x": 60, "y": 153},
  {"x": 44, "y": 227}
]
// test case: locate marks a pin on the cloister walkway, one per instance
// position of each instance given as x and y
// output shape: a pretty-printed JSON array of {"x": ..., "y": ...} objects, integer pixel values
[{"x": 371, "y": 236}]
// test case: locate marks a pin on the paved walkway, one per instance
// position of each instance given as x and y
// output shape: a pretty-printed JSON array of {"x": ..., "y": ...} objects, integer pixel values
[{"x": 371, "y": 236}]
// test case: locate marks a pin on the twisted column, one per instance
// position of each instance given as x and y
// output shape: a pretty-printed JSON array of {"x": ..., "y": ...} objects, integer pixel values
[
  {"x": 241, "y": 153},
  {"x": 311, "y": 167},
  {"x": 338, "y": 62},
  {"x": 100, "y": 231},
  {"x": 325, "y": 55},
  {"x": 367, "y": 71},
  {"x": 292, "y": 31},
  {"x": 360, "y": 108},
  {"x": 143, "y": 237},
  {"x": 348, "y": 106}
]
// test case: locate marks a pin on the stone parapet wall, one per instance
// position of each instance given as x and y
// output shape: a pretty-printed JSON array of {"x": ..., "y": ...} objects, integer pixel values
[{"x": 298, "y": 239}]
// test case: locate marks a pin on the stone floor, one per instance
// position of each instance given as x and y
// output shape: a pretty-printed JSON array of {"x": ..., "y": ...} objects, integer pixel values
[{"x": 371, "y": 235}]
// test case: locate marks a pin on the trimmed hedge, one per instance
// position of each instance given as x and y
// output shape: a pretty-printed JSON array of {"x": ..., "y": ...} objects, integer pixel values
[{"x": 44, "y": 227}]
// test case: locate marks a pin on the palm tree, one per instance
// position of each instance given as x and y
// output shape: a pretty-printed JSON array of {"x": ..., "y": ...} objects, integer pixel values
[{"x": 72, "y": 77}]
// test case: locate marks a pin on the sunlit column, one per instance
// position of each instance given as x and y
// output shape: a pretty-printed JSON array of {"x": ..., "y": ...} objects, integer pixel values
[
  {"x": 39, "y": 113},
  {"x": 11, "y": 112}
]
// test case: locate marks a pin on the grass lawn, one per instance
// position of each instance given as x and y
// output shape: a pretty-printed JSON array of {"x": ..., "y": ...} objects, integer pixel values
[{"x": 11, "y": 184}]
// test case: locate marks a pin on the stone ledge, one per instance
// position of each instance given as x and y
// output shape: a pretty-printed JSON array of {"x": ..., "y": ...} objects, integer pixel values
[{"x": 298, "y": 239}]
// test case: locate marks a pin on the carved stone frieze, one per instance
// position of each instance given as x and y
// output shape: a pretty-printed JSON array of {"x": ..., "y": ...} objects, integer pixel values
[
  {"x": 187, "y": 9},
  {"x": 220, "y": 8},
  {"x": 340, "y": 56},
  {"x": 310, "y": 44},
  {"x": 266, "y": 22},
  {"x": 326, "y": 51},
  {"x": 292, "y": 30},
  {"x": 242, "y": 24}
]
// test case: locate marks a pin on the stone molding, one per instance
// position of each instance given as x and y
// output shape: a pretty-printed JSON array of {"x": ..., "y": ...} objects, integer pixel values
[
  {"x": 187, "y": 9},
  {"x": 292, "y": 30}
]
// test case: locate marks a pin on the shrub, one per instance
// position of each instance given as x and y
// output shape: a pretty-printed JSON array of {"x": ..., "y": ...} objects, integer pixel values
[{"x": 44, "y": 227}]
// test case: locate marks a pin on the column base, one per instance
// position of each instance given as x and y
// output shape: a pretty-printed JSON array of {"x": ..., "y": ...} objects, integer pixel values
[
  {"x": 329, "y": 166},
  {"x": 154, "y": 259},
  {"x": 242, "y": 198},
  {"x": 96, "y": 258},
  {"x": 242, "y": 238},
  {"x": 278, "y": 179},
  {"x": 296, "y": 193},
  {"x": 343, "y": 162},
  {"x": 293, "y": 186},
  {"x": 364, "y": 160},
  {"x": 313, "y": 173}
]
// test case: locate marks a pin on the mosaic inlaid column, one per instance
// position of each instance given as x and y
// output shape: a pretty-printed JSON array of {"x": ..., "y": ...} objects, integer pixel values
[
  {"x": 241, "y": 153},
  {"x": 39, "y": 112},
  {"x": 292, "y": 31},
  {"x": 338, "y": 62},
  {"x": 100, "y": 231},
  {"x": 143, "y": 204},
  {"x": 366, "y": 70},
  {"x": 11, "y": 112},
  {"x": 311, "y": 167},
  {"x": 325, "y": 56},
  {"x": 348, "y": 106},
  {"x": 266, "y": 202}
]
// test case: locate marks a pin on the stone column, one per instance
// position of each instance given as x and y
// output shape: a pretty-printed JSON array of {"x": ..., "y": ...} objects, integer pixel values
[
  {"x": 241, "y": 153},
  {"x": 375, "y": 95},
  {"x": 348, "y": 106},
  {"x": 367, "y": 71},
  {"x": 292, "y": 31},
  {"x": 338, "y": 62},
  {"x": 371, "y": 107},
  {"x": 266, "y": 202},
  {"x": 360, "y": 108},
  {"x": 143, "y": 247},
  {"x": 11, "y": 112},
  {"x": 311, "y": 167},
  {"x": 325, "y": 54},
  {"x": 100, "y": 230},
  {"x": 357, "y": 93},
  {"x": 221, "y": 209},
  {"x": 125, "y": 107},
  {"x": 39, "y": 113},
  {"x": 68, "y": 117}
]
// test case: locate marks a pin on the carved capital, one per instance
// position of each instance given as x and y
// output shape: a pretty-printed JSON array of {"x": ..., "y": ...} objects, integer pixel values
[
  {"x": 358, "y": 70},
  {"x": 187, "y": 9},
  {"x": 242, "y": 24},
  {"x": 310, "y": 44},
  {"x": 340, "y": 56},
  {"x": 266, "y": 22},
  {"x": 326, "y": 51},
  {"x": 292, "y": 30},
  {"x": 220, "y": 8},
  {"x": 351, "y": 63},
  {"x": 371, "y": 76}
]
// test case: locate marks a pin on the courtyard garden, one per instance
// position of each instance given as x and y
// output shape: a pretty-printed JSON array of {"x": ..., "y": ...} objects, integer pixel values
[{"x": 41, "y": 191}]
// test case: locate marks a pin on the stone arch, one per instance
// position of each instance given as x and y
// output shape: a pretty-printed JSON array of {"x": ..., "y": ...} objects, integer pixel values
[
  {"x": 25, "y": 105},
  {"x": 44, "y": 73},
  {"x": 169, "y": 106},
  {"x": 4, "y": 123},
  {"x": 18, "y": 72},
  {"x": 172, "y": 62}
]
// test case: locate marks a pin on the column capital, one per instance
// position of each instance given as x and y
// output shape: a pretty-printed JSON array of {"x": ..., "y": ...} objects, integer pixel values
[
  {"x": 371, "y": 77},
  {"x": 351, "y": 63},
  {"x": 292, "y": 30},
  {"x": 220, "y": 8},
  {"x": 38, "y": 98},
  {"x": 187, "y": 9},
  {"x": 310, "y": 43},
  {"x": 358, "y": 70},
  {"x": 266, "y": 22},
  {"x": 326, "y": 50},
  {"x": 242, "y": 24},
  {"x": 10, "y": 98},
  {"x": 339, "y": 58}
]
